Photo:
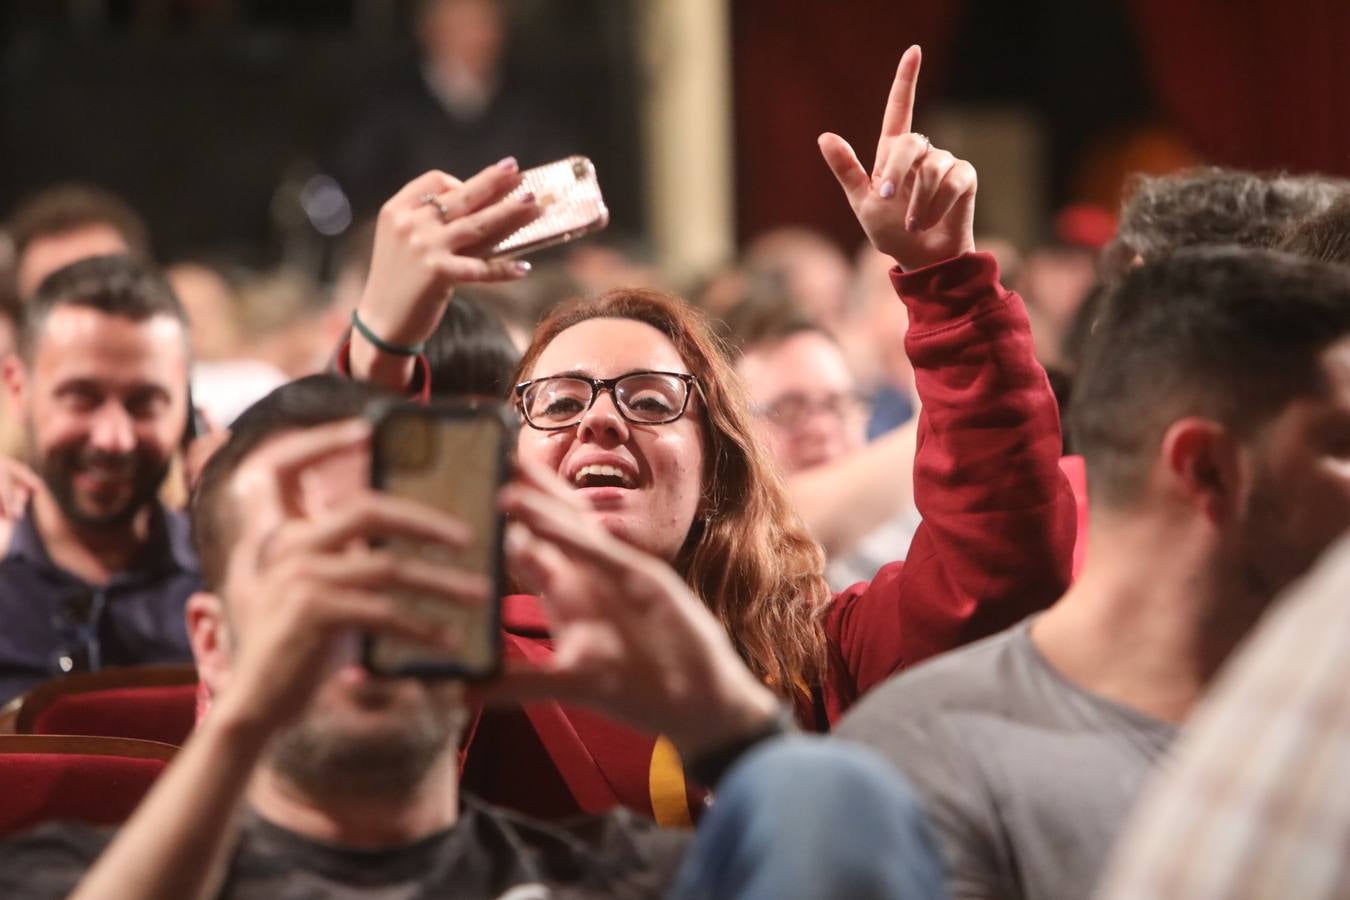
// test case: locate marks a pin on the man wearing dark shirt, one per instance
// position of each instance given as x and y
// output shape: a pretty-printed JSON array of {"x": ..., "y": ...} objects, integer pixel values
[{"x": 97, "y": 572}]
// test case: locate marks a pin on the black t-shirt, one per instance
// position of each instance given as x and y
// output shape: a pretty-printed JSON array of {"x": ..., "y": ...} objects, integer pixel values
[{"x": 487, "y": 853}]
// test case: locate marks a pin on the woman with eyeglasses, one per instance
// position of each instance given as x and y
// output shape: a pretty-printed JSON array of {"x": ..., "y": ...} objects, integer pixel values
[{"x": 630, "y": 401}]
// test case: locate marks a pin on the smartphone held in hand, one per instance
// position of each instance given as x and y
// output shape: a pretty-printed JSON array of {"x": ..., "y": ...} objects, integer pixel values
[
  {"x": 454, "y": 457},
  {"x": 569, "y": 194}
]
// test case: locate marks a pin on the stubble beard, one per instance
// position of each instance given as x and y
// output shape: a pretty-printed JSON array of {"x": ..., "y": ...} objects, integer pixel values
[
  {"x": 57, "y": 470},
  {"x": 321, "y": 760}
]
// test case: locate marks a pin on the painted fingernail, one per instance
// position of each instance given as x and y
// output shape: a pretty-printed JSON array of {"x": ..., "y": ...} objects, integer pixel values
[
  {"x": 520, "y": 267},
  {"x": 509, "y": 164},
  {"x": 527, "y": 198},
  {"x": 912, "y": 224},
  {"x": 887, "y": 189}
]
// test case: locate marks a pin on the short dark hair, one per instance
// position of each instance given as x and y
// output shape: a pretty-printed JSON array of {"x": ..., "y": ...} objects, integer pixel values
[
  {"x": 1231, "y": 334},
  {"x": 67, "y": 207},
  {"x": 304, "y": 403},
  {"x": 115, "y": 285},
  {"x": 470, "y": 353},
  {"x": 1325, "y": 236},
  {"x": 1212, "y": 205}
]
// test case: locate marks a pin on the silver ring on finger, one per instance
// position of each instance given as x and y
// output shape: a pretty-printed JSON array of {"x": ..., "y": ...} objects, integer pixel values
[
  {"x": 927, "y": 144},
  {"x": 442, "y": 210}
]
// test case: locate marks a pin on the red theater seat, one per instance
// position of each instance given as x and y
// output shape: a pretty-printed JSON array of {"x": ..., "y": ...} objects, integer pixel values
[
  {"x": 46, "y": 778},
  {"x": 150, "y": 703}
]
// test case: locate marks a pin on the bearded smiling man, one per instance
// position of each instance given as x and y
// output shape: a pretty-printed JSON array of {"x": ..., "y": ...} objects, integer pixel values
[{"x": 96, "y": 572}]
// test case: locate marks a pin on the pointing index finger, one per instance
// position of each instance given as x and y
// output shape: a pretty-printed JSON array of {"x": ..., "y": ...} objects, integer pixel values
[{"x": 899, "y": 115}]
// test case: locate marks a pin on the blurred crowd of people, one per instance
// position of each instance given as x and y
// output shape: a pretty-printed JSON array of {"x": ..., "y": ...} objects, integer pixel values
[{"x": 821, "y": 489}]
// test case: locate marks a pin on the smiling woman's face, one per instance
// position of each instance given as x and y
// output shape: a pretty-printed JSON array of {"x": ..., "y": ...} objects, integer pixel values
[{"x": 661, "y": 465}]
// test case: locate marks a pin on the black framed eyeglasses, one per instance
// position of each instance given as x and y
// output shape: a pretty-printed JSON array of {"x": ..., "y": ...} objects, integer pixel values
[{"x": 643, "y": 398}]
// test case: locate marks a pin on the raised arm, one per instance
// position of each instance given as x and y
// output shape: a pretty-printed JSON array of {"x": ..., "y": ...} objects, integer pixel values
[
  {"x": 996, "y": 541},
  {"x": 430, "y": 237}
]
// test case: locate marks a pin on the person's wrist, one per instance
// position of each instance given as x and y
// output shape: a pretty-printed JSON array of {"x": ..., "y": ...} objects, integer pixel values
[
  {"x": 372, "y": 337},
  {"x": 708, "y": 765},
  {"x": 367, "y": 362},
  {"x": 746, "y": 712},
  {"x": 913, "y": 261},
  {"x": 398, "y": 330}
]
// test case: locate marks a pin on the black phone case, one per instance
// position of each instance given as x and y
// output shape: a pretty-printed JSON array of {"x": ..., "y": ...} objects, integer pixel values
[{"x": 380, "y": 414}]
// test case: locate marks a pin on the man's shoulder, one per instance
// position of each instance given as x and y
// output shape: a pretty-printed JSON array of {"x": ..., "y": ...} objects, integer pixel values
[
  {"x": 963, "y": 678},
  {"x": 49, "y": 860},
  {"x": 617, "y": 834},
  {"x": 488, "y": 852},
  {"x": 178, "y": 540},
  {"x": 972, "y": 678},
  {"x": 68, "y": 838},
  {"x": 630, "y": 855}
]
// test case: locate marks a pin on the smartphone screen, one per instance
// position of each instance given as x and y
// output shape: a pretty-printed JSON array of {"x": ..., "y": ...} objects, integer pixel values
[{"x": 453, "y": 457}]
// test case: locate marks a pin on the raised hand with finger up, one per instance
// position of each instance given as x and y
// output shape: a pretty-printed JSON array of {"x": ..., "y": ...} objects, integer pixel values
[{"x": 918, "y": 204}]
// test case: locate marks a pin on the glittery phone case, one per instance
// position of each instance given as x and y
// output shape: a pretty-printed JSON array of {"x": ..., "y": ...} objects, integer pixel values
[{"x": 570, "y": 196}]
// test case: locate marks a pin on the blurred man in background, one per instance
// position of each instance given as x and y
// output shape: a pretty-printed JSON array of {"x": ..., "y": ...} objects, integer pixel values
[
  {"x": 811, "y": 270},
  {"x": 857, "y": 499},
  {"x": 48, "y": 230},
  {"x": 70, "y": 222},
  {"x": 460, "y": 112},
  {"x": 97, "y": 571}
]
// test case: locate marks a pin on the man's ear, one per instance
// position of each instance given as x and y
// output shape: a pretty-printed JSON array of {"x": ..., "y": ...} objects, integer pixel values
[
  {"x": 209, "y": 631},
  {"x": 1203, "y": 462},
  {"x": 16, "y": 380}
]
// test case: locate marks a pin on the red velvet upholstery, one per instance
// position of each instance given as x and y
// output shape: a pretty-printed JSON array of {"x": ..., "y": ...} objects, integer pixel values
[
  {"x": 149, "y": 703},
  {"x": 100, "y": 782},
  {"x": 154, "y": 713}
]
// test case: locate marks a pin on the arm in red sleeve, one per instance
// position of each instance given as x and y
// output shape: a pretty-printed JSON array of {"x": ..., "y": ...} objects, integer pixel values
[
  {"x": 418, "y": 389},
  {"x": 996, "y": 543}
]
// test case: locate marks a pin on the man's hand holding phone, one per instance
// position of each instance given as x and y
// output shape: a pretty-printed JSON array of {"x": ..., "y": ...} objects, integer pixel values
[
  {"x": 452, "y": 457},
  {"x": 307, "y": 579}
]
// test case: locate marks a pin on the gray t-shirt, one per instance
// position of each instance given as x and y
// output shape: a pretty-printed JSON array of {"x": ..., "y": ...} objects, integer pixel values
[{"x": 1027, "y": 777}]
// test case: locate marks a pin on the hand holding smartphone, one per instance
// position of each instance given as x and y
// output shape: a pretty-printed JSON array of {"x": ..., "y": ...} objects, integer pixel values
[
  {"x": 569, "y": 194},
  {"x": 454, "y": 457}
]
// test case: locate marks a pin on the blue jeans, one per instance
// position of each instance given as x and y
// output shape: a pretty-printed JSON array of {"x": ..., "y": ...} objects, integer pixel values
[{"x": 811, "y": 817}]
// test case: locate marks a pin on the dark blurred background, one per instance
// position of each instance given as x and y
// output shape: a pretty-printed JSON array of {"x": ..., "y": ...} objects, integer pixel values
[
  {"x": 208, "y": 115},
  {"x": 211, "y": 116}
]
